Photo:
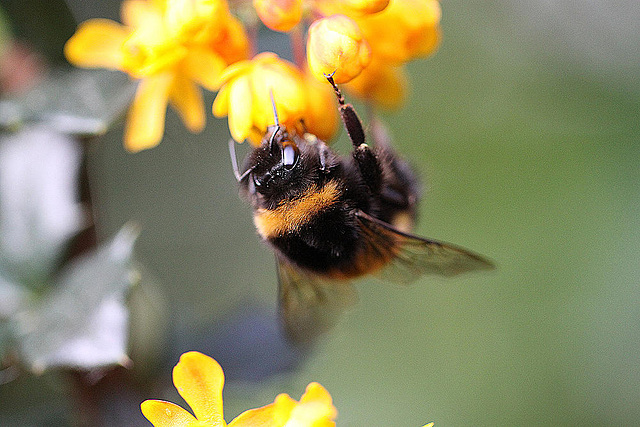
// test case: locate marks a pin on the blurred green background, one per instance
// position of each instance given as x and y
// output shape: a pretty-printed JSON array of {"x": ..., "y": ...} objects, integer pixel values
[{"x": 525, "y": 127}]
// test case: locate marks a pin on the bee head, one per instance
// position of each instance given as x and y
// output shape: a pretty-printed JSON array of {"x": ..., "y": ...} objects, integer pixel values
[
  {"x": 276, "y": 159},
  {"x": 276, "y": 169}
]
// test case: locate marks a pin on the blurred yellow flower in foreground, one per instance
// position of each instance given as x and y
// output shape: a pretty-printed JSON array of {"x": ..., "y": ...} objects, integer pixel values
[
  {"x": 173, "y": 47},
  {"x": 199, "y": 380}
]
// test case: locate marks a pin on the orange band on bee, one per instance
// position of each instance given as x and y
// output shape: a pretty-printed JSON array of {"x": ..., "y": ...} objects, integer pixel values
[{"x": 290, "y": 215}]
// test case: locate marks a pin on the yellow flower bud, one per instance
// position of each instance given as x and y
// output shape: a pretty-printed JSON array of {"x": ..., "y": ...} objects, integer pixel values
[
  {"x": 336, "y": 44},
  {"x": 279, "y": 15}
]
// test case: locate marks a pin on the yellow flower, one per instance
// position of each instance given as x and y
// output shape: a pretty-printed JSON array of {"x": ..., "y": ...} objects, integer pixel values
[
  {"x": 404, "y": 30},
  {"x": 245, "y": 96},
  {"x": 279, "y": 15},
  {"x": 336, "y": 44},
  {"x": 173, "y": 47},
  {"x": 199, "y": 379},
  {"x": 381, "y": 83}
]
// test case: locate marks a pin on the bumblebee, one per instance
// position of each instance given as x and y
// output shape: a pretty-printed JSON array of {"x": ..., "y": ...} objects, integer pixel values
[{"x": 332, "y": 219}]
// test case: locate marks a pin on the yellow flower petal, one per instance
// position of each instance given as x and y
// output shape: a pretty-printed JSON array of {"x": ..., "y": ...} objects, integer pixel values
[
  {"x": 381, "y": 83},
  {"x": 240, "y": 116},
  {"x": 134, "y": 12},
  {"x": 234, "y": 70},
  {"x": 199, "y": 380},
  {"x": 97, "y": 43},
  {"x": 145, "y": 120},
  {"x": 270, "y": 73},
  {"x": 245, "y": 96},
  {"x": 405, "y": 30},
  {"x": 166, "y": 414},
  {"x": 259, "y": 417},
  {"x": 255, "y": 137},
  {"x": 186, "y": 98},
  {"x": 283, "y": 407},
  {"x": 315, "y": 409},
  {"x": 204, "y": 67},
  {"x": 316, "y": 393},
  {"x": 188, "y": 18},
  {"x": 221, "y": 103},
  {"x": 232, "y": 42},
  {"x": 321, "y": 117}
]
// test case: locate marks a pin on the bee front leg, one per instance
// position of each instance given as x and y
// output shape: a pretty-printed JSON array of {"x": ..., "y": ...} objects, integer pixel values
[
  {"x": 365, "y": 157},
  {"x": 369, "y": 166}
]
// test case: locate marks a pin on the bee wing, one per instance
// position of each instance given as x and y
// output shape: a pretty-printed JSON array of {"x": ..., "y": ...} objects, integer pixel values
[
  {"x": 309, "y": 304},
  {"x": 412, "y": 256}
]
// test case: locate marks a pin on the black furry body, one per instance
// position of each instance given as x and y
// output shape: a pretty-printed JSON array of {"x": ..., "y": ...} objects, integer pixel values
[{"x": 326, "y": 240}]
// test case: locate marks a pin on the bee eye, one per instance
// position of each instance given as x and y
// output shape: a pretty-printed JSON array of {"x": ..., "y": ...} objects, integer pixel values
[
  {"x": 289, "y": 156},
  {"x": 256, "y": 181}
]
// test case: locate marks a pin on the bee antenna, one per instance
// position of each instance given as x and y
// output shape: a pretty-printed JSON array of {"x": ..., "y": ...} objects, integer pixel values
[
  {"x": 275, "y": 116},
  {"x": 234, "y": 162},
  {"x": 275, "y": 110}
]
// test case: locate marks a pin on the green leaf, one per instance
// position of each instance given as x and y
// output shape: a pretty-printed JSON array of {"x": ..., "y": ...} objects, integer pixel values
[
  {"x": 39, "y": 208},
  {"x": 72, "y": 101},
  {"x": 83, "y": 323}
]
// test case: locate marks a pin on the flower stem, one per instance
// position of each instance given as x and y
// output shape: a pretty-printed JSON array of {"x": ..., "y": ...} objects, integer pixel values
[{"x": 297, "y": 47}]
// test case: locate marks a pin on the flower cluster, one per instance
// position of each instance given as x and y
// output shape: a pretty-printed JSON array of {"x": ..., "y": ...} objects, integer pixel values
[
  {"x": 175, "y": 46},
  {"x": 199, "y": 380}
]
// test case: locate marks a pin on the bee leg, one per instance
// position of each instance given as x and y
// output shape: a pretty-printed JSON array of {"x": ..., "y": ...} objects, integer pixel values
[
  {"x": 369, "y": 166},
  {"x": 364, "y": 156}
]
